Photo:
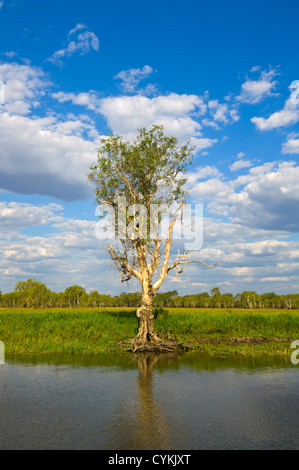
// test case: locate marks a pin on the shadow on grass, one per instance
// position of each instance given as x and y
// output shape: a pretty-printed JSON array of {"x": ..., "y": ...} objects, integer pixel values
[{"x": 123, "y": 314}]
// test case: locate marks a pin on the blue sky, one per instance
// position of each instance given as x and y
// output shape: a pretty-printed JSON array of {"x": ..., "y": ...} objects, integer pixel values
[{"x": 221, "y": 73}]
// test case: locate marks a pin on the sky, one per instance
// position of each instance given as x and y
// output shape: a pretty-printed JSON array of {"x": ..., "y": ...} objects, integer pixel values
[{"x": 223, "y": 74}]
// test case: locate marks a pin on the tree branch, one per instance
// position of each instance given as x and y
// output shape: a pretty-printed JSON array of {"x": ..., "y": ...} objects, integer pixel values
[
  {"x": 180, "y": 265},
  {"x": 123, "y": 266}
]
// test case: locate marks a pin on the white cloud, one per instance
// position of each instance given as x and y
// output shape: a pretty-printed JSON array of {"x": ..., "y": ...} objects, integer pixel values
[
  {"x": 78, "y": 27},
  {"x": 15, "y": 216},
  {"x": 209, "y": 123},
  {"x": 24, "y": 87},
  {"x": 1, "y": 4},
  {"x": 222, "y": 112},
  {"x": 73, "y": 250},
  {"x": 179, "y": 114},
  {"x": 201, "y": 173},
  {"x": 238, "y": 164},
  {"x": 292, "y": 144},
  {"x": 43, "y": 156},
  {"x": 84, "y": 43},
  {"x": 131, "y": 78},
  {"x": 287, "y": 116},
  {"x": 268, "y": 198},
  {"x": 90, "y": 99},
  {"x": 254, "y": 91},
  {"x": 125, "y": 114},
  {"x": 48, "y": 156},
  {"x": 10, "y": 54},
  {"x": 282, "y": 118}
]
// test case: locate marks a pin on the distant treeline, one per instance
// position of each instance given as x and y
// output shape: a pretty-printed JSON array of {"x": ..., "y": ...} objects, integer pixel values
[{"x": 34, "y": 294}]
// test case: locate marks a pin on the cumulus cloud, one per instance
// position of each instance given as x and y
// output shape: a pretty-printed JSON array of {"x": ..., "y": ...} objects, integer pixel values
[
  {"x": 285, "y": 117},
  {"x": 24, "y": 87},
  {"x": 292, "y": 144},
  {"x": 201, "y": 173},
  {"x": 222, "y": 113},
  {"x": 89, "y": 99},
  {"x": 132, "y": 77},
  {"x": 72, "y": 249},
  {"x": 125, "y": 114},
  {"x": 247, "y": 256},
  {"x": 82, "y": 45},
  {"x": 15, "y": 216},
  {"x": 254, "y": 91},
  {"x": 266, "y": 198},
  {"x": 50, "y": 155},
  {"x": 43, "y": 156},
  {"x": 239, "y": 164}
]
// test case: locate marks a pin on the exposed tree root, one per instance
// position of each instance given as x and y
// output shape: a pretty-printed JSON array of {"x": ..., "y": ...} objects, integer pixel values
[{"x": 155, "y": 344}]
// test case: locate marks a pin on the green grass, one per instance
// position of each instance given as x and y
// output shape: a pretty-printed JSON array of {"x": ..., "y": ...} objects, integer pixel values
[{"x": 100, "y": 330}]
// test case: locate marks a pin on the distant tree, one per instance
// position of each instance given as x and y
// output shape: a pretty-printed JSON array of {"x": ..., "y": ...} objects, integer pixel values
[
  {"x": 93, "y": 298},
  {"x": 73, "y": 295},
  {"x": 204, "y": 300},
  {"x": 32, "y": 293},
  {"x": 215, "y": 292},
  {"x": 227, "y": 300},
  {"x": 271, "y": 300},
  {"x": 290, "y": 301},
  {"x": 216, "y": 297},
  {"x": 249, "y": 299}
]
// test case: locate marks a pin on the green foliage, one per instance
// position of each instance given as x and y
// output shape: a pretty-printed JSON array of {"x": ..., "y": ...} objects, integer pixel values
[
  {"x": 148, "y": 170},
  {"x": 73, "y": 295},
  {"x": 34, "y": 294},
  {"x": 31, "y": 293}
]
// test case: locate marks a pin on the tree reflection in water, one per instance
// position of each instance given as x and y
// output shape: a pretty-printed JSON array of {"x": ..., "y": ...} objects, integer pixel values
[{"x": 156, "y": 430}]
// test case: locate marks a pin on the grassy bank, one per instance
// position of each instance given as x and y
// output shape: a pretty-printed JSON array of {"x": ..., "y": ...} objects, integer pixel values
[{"x": 217, "y": 331}]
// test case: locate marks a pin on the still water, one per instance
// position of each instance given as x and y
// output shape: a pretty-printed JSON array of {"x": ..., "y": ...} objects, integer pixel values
[{"x": 167, "y": 402}]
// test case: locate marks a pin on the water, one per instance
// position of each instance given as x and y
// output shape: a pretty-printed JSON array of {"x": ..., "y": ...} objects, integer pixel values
[{"x": 167, "y": 402}]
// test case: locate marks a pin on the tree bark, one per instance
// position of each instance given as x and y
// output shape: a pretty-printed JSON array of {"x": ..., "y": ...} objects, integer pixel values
[
  {"x": 145, "y": 315},
  {"x": 147, "y": 339}
]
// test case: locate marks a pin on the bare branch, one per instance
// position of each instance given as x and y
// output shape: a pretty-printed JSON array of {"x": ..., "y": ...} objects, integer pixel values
[
  {"x": 180, "y": 264},
  {"x": 155, "y": 257},
  {"x": 164, "y": 271},
  {"x": 122, "y": 265}
]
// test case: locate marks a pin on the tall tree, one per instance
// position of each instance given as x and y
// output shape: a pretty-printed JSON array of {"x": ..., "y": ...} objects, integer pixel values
[{"x": 145, "y": 173}]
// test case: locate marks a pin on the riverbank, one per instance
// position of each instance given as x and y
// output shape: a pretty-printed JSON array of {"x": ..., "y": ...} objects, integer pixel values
[{"x": 93, "y": 331}]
